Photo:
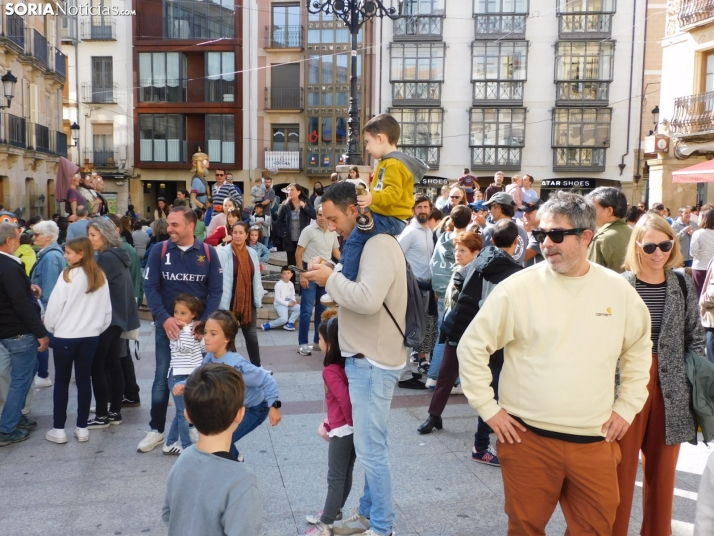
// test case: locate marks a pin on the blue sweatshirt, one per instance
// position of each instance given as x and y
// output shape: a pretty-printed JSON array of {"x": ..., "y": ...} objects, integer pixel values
[
  {"x": 196, "y": 271},
  {"x": 259, "y": 384}
]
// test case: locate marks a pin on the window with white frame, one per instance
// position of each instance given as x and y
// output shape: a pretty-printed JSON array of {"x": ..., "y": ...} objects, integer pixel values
[
  {"x": 581, "y": 137},
  {"x": 417, "y": 71},
  {"x": 220, "y": 77},
  {"x": 498, "y": 70},
  {"x": 421, "y": 132},
  {"x": 162, "y": 138},
  {"x": 162, "y": 77},
  {"x": 221, "y": 138},
  {"x": 497, "y": 137}
]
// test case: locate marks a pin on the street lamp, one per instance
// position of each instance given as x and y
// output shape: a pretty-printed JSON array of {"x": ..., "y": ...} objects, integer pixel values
[
  {"x": 354, "y": 13},
  {"x": 75, "y": 133},
  {"x": 655, "y": 115},
  {"x": 8, "y": 85}
]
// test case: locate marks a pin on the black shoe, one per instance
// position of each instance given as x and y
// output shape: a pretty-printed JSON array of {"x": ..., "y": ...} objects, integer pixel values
[
  {"x": 128, "y": 403},
  {"x": 95, "y": 422},
  {"x": 412, "y": 384},
  {"x": 15, "y": 436},
  {"x": 114, "y": 418},
  {"x": 26, "y": 423},
  {"x": 416, "y": 376},
  {"x": 434, "y": 421}
]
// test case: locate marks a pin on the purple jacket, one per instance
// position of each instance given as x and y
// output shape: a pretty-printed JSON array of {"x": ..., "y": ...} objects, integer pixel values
[{"x": 337, "y": 398}]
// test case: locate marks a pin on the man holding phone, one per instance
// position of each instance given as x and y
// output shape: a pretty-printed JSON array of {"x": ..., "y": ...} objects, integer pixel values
[{"x": 316, "y": 240}]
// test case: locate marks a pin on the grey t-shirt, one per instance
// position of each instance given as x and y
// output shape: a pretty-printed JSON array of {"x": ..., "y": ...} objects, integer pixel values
[
  {"x": 520, "y": 254},
  {"x": 534, "y": 245}
]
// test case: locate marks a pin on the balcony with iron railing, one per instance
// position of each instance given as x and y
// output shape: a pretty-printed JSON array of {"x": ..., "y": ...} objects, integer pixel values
[
  {"x": 186, "y": 28},
  {"x": 41, "y": 139},
  {"x": 99, "y": 94},
  {"x": 416, "y": 93},
  {"x": 16, "y": 131},
  {"x": 283, "y": 160},
  {"x": 105, "y": 157},
  {"x": 61, "y": 144},
  {"x": 579, "y": 159},
  {"x": 187, "y": 90},
  {"x": 586, "y": 93},
  {"x": 284, "y": 37},
  {"x": 490, "y": 92},
  {"x": 15, "y": 30},
  {"x": 284, "y": 98},
  {"x": 584, "y": 25},
  {"x": 419, "y": 28},
  {"x": 693, "y": 115},
  {"x": 496, "y": 158},
  {"x": 694, "y": 12},
  {"x": 99, "y": 28},
  {"x": 490, "y": 25},
  {"x": 69, "y": 28},
  {"x": 39, "y": 48},
  {"x": 60, "y": 66}
]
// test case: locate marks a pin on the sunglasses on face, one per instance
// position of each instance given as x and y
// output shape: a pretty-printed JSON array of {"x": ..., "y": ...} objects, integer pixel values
[
  {"x": 650, "y": 247},
  {"x": 219, "y": 174},
  {"x": 454, "y": 197},
  {"x": 556, "y": 235}
]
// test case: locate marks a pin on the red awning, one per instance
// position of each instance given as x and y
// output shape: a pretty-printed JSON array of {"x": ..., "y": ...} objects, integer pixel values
[{"x": 703, "y": 172}]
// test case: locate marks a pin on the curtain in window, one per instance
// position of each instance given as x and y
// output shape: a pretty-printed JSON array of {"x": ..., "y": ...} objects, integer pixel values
[{"x": 173, "y": 69}]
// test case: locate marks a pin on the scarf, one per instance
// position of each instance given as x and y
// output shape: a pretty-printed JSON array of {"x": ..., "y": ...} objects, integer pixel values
[{"x": 243, "y": 271}]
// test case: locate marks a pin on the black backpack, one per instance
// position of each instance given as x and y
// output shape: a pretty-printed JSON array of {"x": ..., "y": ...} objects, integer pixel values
[{"x": 416, "y": 313}]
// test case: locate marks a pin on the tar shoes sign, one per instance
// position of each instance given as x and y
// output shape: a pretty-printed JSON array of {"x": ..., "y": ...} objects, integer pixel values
[{"x": 568, "y": 183}]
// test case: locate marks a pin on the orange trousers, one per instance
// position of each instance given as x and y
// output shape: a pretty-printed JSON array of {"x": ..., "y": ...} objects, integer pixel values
[
  {"x": 659, "y": 466},
  {"x": 539, "y": 472}
]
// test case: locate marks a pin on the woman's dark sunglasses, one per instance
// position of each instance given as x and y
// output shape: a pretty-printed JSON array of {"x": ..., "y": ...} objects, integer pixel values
[
  {"x": 650, "y": 248},
  {"x": 556, "y": 235}
]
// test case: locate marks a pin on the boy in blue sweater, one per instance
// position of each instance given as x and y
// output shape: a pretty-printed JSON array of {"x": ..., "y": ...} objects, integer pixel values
[{"x": 208, "y": 492}]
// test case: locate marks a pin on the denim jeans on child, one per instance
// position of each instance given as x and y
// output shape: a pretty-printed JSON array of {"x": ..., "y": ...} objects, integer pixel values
[
  {"x": 254, "y": 417},
  {"x": 371, "y": 390},
  {"x": 179, "y": 426},
  {"x": 353, "y": 246},
  {"x": 18, "y": 364},
  {"x": 160, "y": 387},
  {"x": 80, "y": 353},
  {"x": 285, "y": 314},
  {"x": 309, "y": 299}
]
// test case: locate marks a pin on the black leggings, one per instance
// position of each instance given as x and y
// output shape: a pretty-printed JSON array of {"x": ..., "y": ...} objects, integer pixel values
[{"x": 107, "y": 375}]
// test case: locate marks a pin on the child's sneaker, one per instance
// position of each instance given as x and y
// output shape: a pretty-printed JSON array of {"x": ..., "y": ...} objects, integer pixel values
[
  {"x": 355, "y": 524},
  {"x": 289, "y": 326},
  {"x": 266, "y": 326},
  {"x": 304, "y": 349},
  {"x": 487, "y": 456},
  {"x": 313, "y": 519},
  {"x": 173, "y": 450},
  {"x": 320, "y": 529},
  {"x": 431, "y": 383}
]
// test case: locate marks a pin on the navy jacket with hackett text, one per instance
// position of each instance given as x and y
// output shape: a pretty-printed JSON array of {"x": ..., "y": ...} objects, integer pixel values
[{"x": 171, "y": 271}]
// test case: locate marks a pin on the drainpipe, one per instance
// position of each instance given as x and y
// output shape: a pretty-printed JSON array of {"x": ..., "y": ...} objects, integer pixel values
[
  {"x": 621, "y": 165},
  {"x": 381, "y": 55},
  {"x": 643, "y": 97},
  {"x": 76, "y": 89},
  {"x": 250, "y": 92}
]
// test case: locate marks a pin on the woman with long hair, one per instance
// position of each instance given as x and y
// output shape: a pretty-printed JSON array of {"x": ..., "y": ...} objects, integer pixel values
[
  {"x": 294, "y": 215},
  {"x": 242, "y": 287},
  {"x": 219, "y": 218},
  {"x": 222, "y": 235},
  {"x": 162, "y": 209},
  {"x": 77, "y": 313},
  {"x": 702, "y": 248},
  {"x": 316, "y": 197},
  {"x": 114, "y": 262},
  {"x": 667, "y": 418},
  {"x": 125, "y": 223}
]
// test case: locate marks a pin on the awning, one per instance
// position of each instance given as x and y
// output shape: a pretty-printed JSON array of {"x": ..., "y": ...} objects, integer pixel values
[{"x": 703, "y": 172}]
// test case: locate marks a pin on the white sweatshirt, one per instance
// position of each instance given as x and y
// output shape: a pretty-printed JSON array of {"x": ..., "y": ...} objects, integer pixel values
[
  {"x": 704, "y": 517},
  {"x": 72, "y": 313},
  {"x": 284, "y": 293}
]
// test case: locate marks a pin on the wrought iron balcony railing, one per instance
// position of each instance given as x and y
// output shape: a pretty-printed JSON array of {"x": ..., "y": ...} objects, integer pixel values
[
  {"x": 99, "y": 94},
  {"x": 16, "y": 131},
  {"x": 500, "y": 25},
  {"x": 185, "y": 90},
  {"x": 61, "y": 144},
  {"x": 283, "y": 160},
  {"x": 283, "y": 98},
  {"x": 42, "y": 138},
  {"x": 105, "y": 157},
  {"x": 694, "y": 11},
  {"x": 578, "y": 159},
  {"x": 496, "y": 158},
  {"x": 585, "y": 25},
  {"x": 15, "y": 30},
  {"x": 284, "y": 36},
  {"x": 99, "y": 29},
  {"x": 39, "y": 48},
  {"x": 60, "y": 63},
  {"x": 586, "y": 93},
  {"x": 693, "y": 115},
  {"x": 418, "y": 27},
  {"x": 498, "y": 91}
]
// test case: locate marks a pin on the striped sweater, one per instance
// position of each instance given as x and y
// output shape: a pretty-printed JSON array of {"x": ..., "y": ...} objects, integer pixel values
[{"x": 186, "y": 354}]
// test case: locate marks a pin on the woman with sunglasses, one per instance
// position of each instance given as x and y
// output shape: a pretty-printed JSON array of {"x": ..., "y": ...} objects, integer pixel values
[
  {"x": 667, "y": 419},
  {"x": 457, "y": 196},
  {"x": 702, "y": 248}
]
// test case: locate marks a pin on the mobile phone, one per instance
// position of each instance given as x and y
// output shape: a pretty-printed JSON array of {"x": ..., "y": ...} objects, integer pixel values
[{"x": 296, "y": 268}]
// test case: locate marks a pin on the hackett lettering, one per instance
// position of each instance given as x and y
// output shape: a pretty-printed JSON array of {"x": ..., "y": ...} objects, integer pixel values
[{"x": 183, "y": 277}]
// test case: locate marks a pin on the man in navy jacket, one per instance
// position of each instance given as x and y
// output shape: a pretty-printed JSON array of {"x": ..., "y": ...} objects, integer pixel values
[
  {"x": 21, "y": 332},
  {"x": 182, "y": 264}
]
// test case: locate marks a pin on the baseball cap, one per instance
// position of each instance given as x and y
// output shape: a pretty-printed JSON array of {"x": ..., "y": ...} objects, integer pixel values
[
  {"x": 478, "y": 206},
  {"x": 501, "y": 198},
  {"x": 531, "y": 207}
]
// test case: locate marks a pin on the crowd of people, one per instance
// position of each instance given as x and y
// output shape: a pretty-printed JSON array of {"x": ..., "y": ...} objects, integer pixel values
[{"x": 567, "y": 323}]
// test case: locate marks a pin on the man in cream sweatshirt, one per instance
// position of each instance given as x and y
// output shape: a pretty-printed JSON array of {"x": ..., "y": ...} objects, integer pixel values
[
  {"x": 374, "y": 347},
  {"x": 563, "y": 324}
]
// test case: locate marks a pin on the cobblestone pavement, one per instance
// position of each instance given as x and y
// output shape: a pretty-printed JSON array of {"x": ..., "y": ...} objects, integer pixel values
[{"x": 104, "y": 487}]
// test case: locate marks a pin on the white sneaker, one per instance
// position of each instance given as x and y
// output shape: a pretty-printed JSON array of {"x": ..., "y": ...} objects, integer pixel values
[
  {"x": 457, "y": 390},
  {"x": 82, "y": 434},
  {"x": 152, "y": 440},
  {"x": 313, "y": 519},
  {"x": 173, "y": 450},
  {"x": 43, "y": 382},
  {"x": 431, "y": 384},
  {"x": 355, "y": 524},
  {"x": 56, "y": 435},
  {"x": 304, "y": 349},
  {"x": 193, "y": 433}
]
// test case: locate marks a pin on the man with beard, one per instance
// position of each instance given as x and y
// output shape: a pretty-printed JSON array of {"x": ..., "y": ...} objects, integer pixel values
[
  {"x": 496, "y": 187},
  {"x": 418, "y": 245},
  {"x": 564, "y": 325}
]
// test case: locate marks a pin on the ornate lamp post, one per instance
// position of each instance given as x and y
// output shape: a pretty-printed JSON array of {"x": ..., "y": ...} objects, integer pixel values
[{"x": 354, "y": 13}]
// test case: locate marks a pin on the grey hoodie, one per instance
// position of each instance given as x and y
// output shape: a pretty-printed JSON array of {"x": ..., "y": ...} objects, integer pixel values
[
  {"x": 115, "y": 263},
  {"x": 416, "y": 167},
  {"x": 443, "y": 263}
]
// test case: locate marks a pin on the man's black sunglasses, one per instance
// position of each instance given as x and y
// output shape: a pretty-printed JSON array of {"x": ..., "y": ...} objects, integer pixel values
[
  {"x": 556, "y": 235},
  {"x": 650, "y": 247}
]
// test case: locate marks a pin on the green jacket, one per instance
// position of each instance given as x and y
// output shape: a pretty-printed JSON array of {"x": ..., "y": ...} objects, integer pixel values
[
  {"x": 700, "y": 372},
  {"x": 137, "y": 278},
  {"x": 609, "y": 245}
]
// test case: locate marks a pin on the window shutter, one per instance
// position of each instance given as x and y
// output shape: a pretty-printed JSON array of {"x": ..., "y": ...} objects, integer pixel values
[
  {"x": 34, "y": 103},
  {"x": 26, "y": 99}
]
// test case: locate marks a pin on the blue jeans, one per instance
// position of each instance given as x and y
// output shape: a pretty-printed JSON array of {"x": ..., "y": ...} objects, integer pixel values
[
  {"x": 160, "y": 388},
  {"x": 371, "y": 391},
  {"x": 18, "y": 359},
  {"x": 353, "y": 246},
  {"x": 438, "y": 356},
  {"x": 179, "y": 426},
  {"x": 254, "y": 417},
  {"x": 310, "y": 298},
  {"x": 285, "y": 314},
  {"x": 43, "y": 364},
  {"x": 80, "y": 353}
]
